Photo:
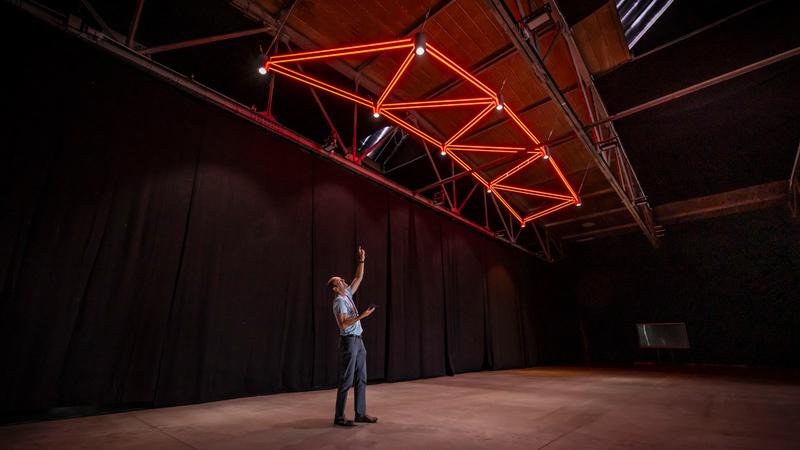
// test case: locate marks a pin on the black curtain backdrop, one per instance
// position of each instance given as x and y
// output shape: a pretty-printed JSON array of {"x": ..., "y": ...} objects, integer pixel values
[
  {"x": 415, "y": 322},
  {"x": 465, "y": 298},
  {"x": 733, "y": 280},
  {"x": 159, "y": 251}
]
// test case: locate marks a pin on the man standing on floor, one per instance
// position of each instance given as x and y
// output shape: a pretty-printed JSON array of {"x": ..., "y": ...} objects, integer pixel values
[{"x": 352, "y": 354}]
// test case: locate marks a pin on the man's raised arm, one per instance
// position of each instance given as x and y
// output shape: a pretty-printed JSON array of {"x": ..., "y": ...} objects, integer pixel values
[{"x": 359, "y": 270}]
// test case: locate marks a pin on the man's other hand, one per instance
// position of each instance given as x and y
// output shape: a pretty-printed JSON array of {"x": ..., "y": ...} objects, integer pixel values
[{"x": 367, "y": 313}]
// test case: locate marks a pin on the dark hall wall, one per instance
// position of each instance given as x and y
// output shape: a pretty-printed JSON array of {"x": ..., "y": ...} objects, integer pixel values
[
  {"x": 156, "y": 250},
  {"x": 734, "y": 280}
]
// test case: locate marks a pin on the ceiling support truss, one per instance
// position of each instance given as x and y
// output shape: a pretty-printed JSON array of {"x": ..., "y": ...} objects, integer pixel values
[
  {"x": 137, "y": 14},
  {"x": 99, "y": 19},
  {"x": 489, "y": 100},
  {"x": 623, "y": 180},
  {"x": 552, "y": 248},
  {"x": 257, "y": 12}
]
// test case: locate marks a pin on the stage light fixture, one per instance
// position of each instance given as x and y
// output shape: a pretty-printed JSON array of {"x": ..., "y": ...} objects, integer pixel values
[
  {"x": 489, "y": 190},
  {"x": 419, "y": 44},
  {"x": 443, "y": 152},
  {"x": 579, "y": 203},
  {"x": 376, "y": 114},
  {"x": 500, "y": 103},
  {"x": 546, "y": 155},
  {"x": 538, "y": 18},
  {"x": 262, "y": 63}
]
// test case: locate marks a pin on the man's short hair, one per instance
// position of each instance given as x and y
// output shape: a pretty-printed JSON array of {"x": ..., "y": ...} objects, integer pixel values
[{"x": 331, "y": 280}]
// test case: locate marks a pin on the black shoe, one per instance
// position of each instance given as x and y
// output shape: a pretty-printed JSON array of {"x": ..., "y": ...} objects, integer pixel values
[
  {"x": 342, "y": 422},
  {"x": 366, "y": 419}
]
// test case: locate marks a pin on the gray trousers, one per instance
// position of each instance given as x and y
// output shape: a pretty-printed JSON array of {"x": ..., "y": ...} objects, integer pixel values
[{"x": 352, "y": 373}]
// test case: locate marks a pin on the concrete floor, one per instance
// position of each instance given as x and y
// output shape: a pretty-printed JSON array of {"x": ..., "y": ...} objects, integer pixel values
[{"x": 553, "y": 408}]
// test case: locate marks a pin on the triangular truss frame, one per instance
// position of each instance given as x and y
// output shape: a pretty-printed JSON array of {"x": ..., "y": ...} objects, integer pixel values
[{"x": 491, "y": 101}]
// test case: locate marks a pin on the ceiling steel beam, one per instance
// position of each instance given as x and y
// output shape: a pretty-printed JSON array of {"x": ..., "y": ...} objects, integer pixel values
[
  {"x": 628, "y": 227},
  {"x": 205, "y": 40},
  {"x": 257, "y": 12},
  {"x": 585, "y": 217},
  {"x": 544, "y": 244},
  {"x": 281, "y": 19},
  {"x": 99, "y": 19},
  {"x": 732, "y": 202},
  {"x": 438, "y": 176},
  {"x": 469, "y": 195},
  {"x": 401, "y": 165},
  {"x": 137, "y": 14},
  {"x": 767, "y": 195},
  {"x": 598, "y": 193},
  {"x": 510, "y": 26},
  {"x": 700, "y": 86},
  {"x": 502, "y": 219},
  {"x": 608, "y": 142}
]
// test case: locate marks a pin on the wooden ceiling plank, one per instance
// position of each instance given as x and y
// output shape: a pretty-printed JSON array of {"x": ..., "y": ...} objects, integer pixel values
[{"x": 412, "y": 29}]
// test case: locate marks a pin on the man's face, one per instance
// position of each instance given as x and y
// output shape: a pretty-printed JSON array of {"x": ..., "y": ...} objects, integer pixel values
[{"x": 339, "y": 284}]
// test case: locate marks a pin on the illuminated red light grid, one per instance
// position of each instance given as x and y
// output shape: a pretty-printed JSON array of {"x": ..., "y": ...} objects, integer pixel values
[{"x": 490, "y": 102}]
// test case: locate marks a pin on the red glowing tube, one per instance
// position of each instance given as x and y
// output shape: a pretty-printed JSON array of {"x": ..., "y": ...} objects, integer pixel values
[
  {"x": 468, "y": 168},
  {"x": 459, "y": 161},
  {"x": 318, "y": 84},
  {"x": 411, "y": 128},
  {"x": 517, "y": 168},
  {"x": 482, "y": 150},
  {"x": 439, "y": 103},
  {"x": 547, "y": 211},
  {"x": 343, "y": 51},
  {"x": 470, "y": 124},
  {"x": 487, "y": 148},
  {"x": 533, "y": 192},
  {"x": 563, "y": 179},
  {"x": 521, "y": 125},
  {"x": 395, "y": 79},
  {"x": 455, "y": 67},
  {"x": 480, "y": 179},
  {"x": 474, "y": 174},
  {"x": 510, "y": 209}
]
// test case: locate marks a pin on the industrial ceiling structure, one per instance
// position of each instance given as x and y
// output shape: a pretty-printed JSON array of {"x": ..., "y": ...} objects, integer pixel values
[{"x": 529, "y": 120}]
